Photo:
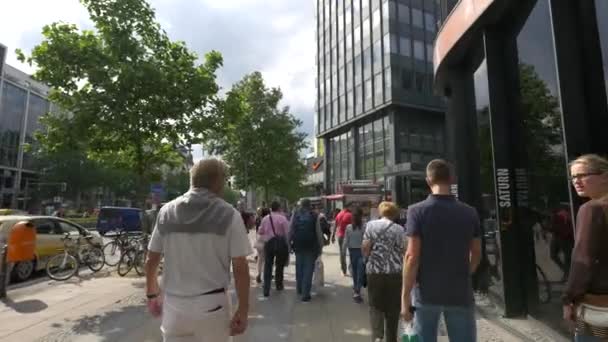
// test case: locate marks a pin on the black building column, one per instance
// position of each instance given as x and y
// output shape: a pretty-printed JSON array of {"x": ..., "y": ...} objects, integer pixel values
[
  {"x": 463, "y": 139},
  {"x": 510, "y": 168},
  {"x": 463, "y": 146}
]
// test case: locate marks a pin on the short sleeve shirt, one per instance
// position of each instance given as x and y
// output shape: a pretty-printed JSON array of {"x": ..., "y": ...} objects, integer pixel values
[
  {"x": 388, "y": 247},
  {"x": 446, "y": 228},
  {"x": 198, "y": 263}
]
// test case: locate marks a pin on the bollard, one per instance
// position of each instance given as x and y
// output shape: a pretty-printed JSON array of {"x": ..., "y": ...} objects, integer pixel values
[{"x": 3, "y": 269}]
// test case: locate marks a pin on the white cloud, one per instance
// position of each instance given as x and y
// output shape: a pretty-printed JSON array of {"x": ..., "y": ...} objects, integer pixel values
[{"x": 275, "y": 37}]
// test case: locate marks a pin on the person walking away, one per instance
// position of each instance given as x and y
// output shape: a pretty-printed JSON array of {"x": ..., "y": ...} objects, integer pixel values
[
  {"x": 273, "y": 232},
  {"x": 562, "y": 240},
  {"x": 444, "y": 247},
  {"x": 306, "y": 240},
  {"x": 383, "y": 244},
  {"x": 259, "y": 247},
  {"x": 343, "y": 219},
  {"x": 353, "y": 240},
  {"x": 200, "y": 236},
  {"x": 586, "y": 296},
  {"x": 325, "y": 226}
]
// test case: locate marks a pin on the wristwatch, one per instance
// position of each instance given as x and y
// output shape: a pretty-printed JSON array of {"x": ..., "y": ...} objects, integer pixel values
[{"x": 152, "y": 296}]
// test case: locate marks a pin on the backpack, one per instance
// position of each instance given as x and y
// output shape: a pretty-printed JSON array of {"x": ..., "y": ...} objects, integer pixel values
[
  {"x": 305, "y": 232},
  {"x": 325, "y": 230}
]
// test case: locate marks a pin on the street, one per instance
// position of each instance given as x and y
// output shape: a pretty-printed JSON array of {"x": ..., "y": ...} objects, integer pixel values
[{"x": 106, "y": 307}]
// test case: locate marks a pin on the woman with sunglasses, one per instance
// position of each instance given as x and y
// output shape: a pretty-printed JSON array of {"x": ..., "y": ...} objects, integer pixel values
[{"x": 586, "y": 296}]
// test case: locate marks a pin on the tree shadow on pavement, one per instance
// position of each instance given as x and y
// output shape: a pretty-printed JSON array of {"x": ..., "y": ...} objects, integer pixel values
[
  {"x": 26, "y": 306},
  {"x": 114, "y": 325}
]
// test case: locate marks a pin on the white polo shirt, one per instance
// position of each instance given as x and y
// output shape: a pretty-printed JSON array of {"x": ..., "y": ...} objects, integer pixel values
[{"x": 196, "y": 262}]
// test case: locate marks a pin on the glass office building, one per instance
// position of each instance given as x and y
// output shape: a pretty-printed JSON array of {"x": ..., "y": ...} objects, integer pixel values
[
  {"x": 376, "y": 111},
  {"x": 22, "y": 102},
  {"x": 525, "y": 84}
]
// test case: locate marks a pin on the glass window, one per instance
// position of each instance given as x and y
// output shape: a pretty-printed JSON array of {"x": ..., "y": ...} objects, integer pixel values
[
  {"x": 349, "y": 41},
  {"x": 419, "y": 50},
  {"x": 361, "y": 152},
  {"x": 377, "y": 60},
  {"x": 417, "y": 18},
  {"x": 358, "y": 99},
  {"x": 420, "y": 82},
  {"x": 349, "y": 104},
  {"x": 406, "y": 78},
  {"x": 378, "y": 89},
  {"x": 430, "y": 22},
  {"x": 367, "y": 61},
  {"x": 37, "y": 108},
  {"x": 387, "y": 141},
  {"x": 403, "y": 14},
  {"x": 368, "y": 94},
  {"x": 341, "y": 109},
  {"x": 405, "y": 47},
  {"x": 357, "y": 65},
  {"x": 376, "y": 18},
  {"x": 429, "y": 53},
  {"x": 349, "y": 75},
  {"x": 387, "y": 79}
]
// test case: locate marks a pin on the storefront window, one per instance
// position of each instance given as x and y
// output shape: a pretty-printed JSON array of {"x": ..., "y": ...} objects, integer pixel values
[
  {"x": 601, "y": 9},
  {"x": 37, "y": 108},
  {"x": 549, "y": 200}
]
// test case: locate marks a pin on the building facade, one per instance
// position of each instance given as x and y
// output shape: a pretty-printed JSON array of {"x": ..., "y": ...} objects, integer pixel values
[
  {"x": 376, "y": 112},
  {"x": 22, "y": 102},
  {"x": 525, "y": 84}
]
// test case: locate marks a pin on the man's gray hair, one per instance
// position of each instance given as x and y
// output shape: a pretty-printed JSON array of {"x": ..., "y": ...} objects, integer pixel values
[{"x": 206, "y": 172}]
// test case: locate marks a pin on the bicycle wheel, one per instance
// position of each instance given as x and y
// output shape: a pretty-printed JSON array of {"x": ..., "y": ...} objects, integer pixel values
[
  {"x": 140, "y": 263},
  {"x": 61, "y": 267},
  {"x": 544, "y": 288},
  {"x": 94, "y": 258},
  {"x": 126, "y": 263},
  {"x": 112, "y": 252}
]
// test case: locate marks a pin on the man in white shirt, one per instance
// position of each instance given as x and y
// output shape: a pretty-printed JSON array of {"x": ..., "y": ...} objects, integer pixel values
[{"x": 200, "y": 236}]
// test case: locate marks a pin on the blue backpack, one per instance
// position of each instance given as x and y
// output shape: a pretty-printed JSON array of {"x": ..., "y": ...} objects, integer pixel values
[{"x": 305, "y": 232}]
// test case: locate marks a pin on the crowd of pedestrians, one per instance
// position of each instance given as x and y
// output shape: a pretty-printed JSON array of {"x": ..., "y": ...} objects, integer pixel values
[{"x": 427, "y": 263}]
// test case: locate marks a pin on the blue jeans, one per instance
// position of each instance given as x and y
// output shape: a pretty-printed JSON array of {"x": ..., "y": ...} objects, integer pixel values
[
  {"x": 305, "y": 266},
  {"x": 356, "y": 263},
  {"x": 460, "y": 322},
  {"x": 586, "y": 338}
]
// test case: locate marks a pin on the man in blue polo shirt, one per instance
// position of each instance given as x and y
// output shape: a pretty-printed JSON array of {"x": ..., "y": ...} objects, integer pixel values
[{"x": 444, "y": 249}]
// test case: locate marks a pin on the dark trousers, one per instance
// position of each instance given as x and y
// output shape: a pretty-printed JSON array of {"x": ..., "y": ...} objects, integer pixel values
[
  {"x": 342, "y": 254},
  {"x": 357, "y": 268},
  {"x": 271, "y": 257},
  {"x": 305, "y": 267},
  {"x": 384, "y": 291}
]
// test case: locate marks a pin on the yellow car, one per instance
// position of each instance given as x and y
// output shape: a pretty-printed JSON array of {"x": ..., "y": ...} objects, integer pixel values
[{"x": 49, "y": 231}]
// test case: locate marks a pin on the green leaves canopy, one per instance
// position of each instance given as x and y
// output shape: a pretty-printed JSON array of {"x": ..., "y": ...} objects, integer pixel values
[
  {"x": 261, "y": 143},
  {"x": 132, "y": 94}
]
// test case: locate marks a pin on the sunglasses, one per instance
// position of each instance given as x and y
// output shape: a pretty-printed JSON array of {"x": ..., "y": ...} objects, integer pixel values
[{"x": 583, "y": 175}]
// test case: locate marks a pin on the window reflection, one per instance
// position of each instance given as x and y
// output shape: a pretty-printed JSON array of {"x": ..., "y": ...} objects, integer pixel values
[{"x": 13, "y": 111}]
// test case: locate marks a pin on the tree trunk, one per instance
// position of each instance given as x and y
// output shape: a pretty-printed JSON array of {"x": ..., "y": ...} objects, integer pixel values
[{"x": 78, "y": 199}]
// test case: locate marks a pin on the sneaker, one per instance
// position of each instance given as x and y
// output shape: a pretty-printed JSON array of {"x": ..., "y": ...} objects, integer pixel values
[
  {"x": 306, "y": 299},
  {"x": 266, "y": 294},
  {"x": 280, "y": 287},
  {"x": 358, "y": 299}
]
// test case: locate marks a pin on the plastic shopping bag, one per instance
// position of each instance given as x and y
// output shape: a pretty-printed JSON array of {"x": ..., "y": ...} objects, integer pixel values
[
  {"x": 319, "y": 274},
  {"x": 409, "y": 334}
]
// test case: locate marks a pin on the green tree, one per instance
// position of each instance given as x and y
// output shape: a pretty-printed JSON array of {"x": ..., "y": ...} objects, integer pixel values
[
  {"x": 261, "y": 143},
  {"x": 133, "y": 95}
]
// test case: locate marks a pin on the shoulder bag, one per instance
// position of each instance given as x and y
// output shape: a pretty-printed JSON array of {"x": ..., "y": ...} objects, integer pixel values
[{"x": 277, "y": 245}]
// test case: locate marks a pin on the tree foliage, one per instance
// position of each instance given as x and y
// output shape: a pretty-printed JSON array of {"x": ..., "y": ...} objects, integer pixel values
[
  {"x": 261, "y": 143},
  {"x": 132, "y": 95},
  {"x": 543, "y": 138}
]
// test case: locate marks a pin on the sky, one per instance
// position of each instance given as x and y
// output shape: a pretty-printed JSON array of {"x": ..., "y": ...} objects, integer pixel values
[{"x": 275, "y": 37}]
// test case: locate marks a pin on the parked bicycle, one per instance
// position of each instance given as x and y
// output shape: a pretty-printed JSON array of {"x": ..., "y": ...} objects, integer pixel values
[
  {"x": 64, "y": 266},
  {"x": 114, "y": 249},
  {"x": 134, "y": 257}
]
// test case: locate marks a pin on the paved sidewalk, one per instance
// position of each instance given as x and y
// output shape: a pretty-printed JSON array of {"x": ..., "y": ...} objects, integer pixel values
[{"x": 112, "y": 309}]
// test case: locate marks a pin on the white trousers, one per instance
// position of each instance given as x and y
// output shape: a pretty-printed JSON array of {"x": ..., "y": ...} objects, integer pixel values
[{"x": 196, "y": 319}]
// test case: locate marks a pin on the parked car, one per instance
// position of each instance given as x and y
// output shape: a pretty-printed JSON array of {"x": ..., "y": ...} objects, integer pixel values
[
  {"x": 119, "y": 219},
  {"x": 49, "y": 231}
]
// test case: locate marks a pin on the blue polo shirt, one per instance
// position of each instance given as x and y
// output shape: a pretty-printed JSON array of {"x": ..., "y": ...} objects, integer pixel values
[{"x": 446, "y": 228}]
